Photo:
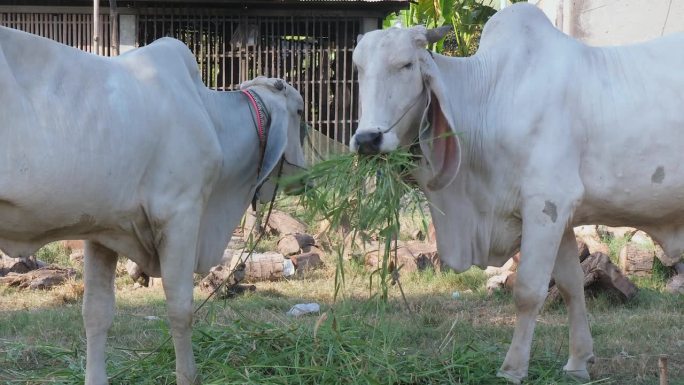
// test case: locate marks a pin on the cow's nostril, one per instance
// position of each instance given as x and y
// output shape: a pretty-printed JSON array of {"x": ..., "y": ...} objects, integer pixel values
[{"x": 369, "y": 142}]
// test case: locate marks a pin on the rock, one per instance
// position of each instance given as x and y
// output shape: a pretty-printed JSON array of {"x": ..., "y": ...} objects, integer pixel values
[
  {"x": 264, "y": 267},
  {"x": 616, "y": 232},
  {"x": 590, "y": 238},
  {"x": 666, "y": 259},
  {"x": 583, "y": 249},
  {"x": 279, "y": 223},
  {"x": 323, "y": 227},
  {"x": 510, "y": 265},
  {"x": 73, "y": 245},
  {"x": 636, "y": 260},
  {"x": 76, "y": 258},
  {"x": 601, "y": 273},
  {"x": 676, "y": 284},
  {"x": 498, "y": 282},
  {"x": 679, "y": 268},
  {"x": 641, "y": 238},
  {"x": 295, "y": 243},
  {"x": 432, "y": 234},
  {"x": 235, "y": 247},
  {"x": 412, "y": 255},
  {"x": 227, "y": 257},
  {"x": 218, "y": 274},
  {"x": 137, "y": 274},
  {"x": 357, "y": 247},
  {"x": 18, "y": 265},
  {"x": 43, "y": 278},
  {"x": 236, "y": 243},
  {"x": 306, "y": 261},
  {"x": 418, "y": 235}
]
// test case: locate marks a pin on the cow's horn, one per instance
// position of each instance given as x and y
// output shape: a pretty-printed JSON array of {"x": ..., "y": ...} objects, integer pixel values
[{"x": 436, "y": 34}]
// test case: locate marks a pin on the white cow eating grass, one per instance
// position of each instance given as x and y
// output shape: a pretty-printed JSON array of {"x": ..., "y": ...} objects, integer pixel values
[
  {"x": 135, "y": 155},
  {"x": 550, "y": 133}
]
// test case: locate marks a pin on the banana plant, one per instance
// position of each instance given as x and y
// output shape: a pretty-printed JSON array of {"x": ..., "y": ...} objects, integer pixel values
[{"x": 466, "y": 16}]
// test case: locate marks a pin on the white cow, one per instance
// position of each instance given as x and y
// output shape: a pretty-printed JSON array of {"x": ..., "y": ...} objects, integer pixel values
[
  {"x": 550, "y": 133},
  {"x": 135, "y": 155}
]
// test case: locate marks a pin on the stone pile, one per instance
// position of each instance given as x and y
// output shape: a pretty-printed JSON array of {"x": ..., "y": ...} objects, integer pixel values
[
  {"x": 30, "y": 273},
  {"x": 636, "y": 258}
]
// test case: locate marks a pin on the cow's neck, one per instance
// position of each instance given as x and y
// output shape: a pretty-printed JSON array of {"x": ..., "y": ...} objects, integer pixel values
[
  {"x": 237, "y": 134},
  {"x": 467, "y": 83},
  {"x": 469, "y": 228}
]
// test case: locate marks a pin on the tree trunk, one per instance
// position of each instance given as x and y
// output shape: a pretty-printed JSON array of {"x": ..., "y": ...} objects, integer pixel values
[{"x": 600, "y": 272}]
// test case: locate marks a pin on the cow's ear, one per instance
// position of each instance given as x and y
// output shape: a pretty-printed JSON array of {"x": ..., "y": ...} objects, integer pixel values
[
  {"x": 438, "y": 140},
  {"x": 276, "y": 142}
]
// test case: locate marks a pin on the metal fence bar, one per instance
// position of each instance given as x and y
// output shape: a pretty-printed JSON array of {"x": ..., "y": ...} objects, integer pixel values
[
  {"x": 72, "y": 29},
  {"x": 313, "y": 53}
]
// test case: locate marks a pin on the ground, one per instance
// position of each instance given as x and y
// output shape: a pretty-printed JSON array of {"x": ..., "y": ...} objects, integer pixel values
[{"x": 358, "y": 340}]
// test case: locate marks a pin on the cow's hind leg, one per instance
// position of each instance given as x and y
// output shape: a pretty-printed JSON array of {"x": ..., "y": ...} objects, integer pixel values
[
  {"x": 98, "y": 307},
  {"x": 569, "y": 278}
]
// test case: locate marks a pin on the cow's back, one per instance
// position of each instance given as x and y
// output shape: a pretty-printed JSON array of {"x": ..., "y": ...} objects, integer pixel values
[
  {"x": 87, "y": 140},
  {"x": 629, "y": 119},
  {"x": 619, "y": 108}
]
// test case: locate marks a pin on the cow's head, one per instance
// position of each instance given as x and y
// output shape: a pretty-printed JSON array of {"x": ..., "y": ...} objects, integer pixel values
[
  {"x": 403, "y": 99},
  {"x": 285, "y": 134}
]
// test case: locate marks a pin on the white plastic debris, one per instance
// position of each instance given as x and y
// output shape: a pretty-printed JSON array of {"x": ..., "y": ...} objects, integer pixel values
[
  {"x": 152, "y": 318},
  {"x": 303, "y": 308},
  {"x": 455, "y": 294},
  {"x": 288, "y": 268}
]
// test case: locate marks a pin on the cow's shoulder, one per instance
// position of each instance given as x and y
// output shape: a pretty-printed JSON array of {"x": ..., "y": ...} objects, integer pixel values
[
  {"x": 520, "y": 25},
  {"x": 164, "y": 57}
]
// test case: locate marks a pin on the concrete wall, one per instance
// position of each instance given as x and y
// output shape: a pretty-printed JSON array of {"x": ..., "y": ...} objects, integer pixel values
[
  {"x": 128, "y": 26},
  {"x": 613, "y": 22}
]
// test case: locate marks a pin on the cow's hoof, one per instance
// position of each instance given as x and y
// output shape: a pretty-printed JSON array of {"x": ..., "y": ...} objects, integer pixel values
[
  {"x": 512, "y": 378},
  {"x": 580, "y": 375}
]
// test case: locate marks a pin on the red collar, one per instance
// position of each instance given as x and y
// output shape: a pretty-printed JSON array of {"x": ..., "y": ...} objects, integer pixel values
[{"x": 258, "y": 112}]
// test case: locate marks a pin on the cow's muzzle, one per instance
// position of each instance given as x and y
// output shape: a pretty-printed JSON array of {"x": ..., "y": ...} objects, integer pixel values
[{"x": 368, "y": 143}]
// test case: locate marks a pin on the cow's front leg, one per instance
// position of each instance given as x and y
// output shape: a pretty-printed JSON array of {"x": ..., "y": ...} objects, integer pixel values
[
  {"x": 570, "y": 281},
  {"x": 177, "y": 257},
  {"x": 544, "y": 221},
  {"x": 98, "y": 307}
]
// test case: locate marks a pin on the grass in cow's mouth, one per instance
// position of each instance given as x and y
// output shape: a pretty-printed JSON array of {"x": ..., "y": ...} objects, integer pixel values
[{"x": 363, "y": 198}]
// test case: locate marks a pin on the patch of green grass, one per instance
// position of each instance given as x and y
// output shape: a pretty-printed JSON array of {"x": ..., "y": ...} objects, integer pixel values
[
  {"x": 615, "y": 244},
  {"x": 54, "y": 253},
  {"x": 443, "y": 340},
  {"x": 345, "y": 348}
]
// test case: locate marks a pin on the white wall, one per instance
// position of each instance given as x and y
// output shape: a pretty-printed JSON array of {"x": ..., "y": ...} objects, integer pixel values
[
  {"x": 613, "y": 22},
  {"x": 127, "y": 32}
]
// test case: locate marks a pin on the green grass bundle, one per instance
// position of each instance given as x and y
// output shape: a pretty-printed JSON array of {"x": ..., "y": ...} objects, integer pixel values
[{"x": 366, "y": 194}]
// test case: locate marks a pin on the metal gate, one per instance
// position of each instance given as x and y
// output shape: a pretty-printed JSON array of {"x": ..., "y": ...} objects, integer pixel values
[
  {"x": 312, "y": 53},
  {"x": 71, "y": 28}
]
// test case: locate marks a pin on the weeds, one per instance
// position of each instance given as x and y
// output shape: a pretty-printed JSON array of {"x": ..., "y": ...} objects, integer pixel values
[{"x": 366, "y": 196}]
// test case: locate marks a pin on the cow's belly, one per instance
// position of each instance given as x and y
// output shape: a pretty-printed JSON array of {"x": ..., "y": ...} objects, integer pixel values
[
  {"x": 629, "y": 201},
  {"x": 24, "y": 230}
]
